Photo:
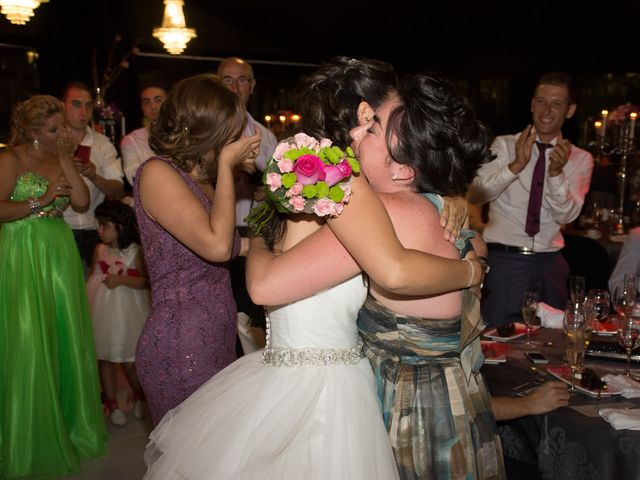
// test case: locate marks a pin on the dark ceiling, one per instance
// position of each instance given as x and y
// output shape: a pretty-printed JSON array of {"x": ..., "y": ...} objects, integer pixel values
[{"x": 466, "y": 39}]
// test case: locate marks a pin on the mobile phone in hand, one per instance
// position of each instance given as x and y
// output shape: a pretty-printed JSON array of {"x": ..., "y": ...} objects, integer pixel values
[
  {"x": 83, "y": 152},
  {"x": 536, "y": 357}
]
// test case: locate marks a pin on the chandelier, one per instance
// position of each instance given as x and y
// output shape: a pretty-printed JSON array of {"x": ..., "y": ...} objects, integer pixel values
[
  {"x": 19, "y": 11},
  {"x": 173, "y": 33}
]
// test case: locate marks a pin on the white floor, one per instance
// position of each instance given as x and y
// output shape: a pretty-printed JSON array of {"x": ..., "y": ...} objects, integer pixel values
[{"x": 123, "y": 460}]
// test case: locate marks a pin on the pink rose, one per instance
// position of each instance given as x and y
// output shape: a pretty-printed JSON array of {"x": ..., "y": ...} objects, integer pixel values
[
  {"x": 347, "y": 193},
  {"x": 309, "y": 169},
  {"x": 325, "y": 142},
  {"x": 335, "y": 173},
  {"x": 274, "y": 181},
  {"x": 338, "y": 209},
  {"x": 296, "y": 189},
  {"x": 304, "y": 140},
  {"x": 297, "y": 203},
  {"x": 323, "y": 207},
  {"x": 281, "y": 149},
  {"x": 285, "y": 165}
]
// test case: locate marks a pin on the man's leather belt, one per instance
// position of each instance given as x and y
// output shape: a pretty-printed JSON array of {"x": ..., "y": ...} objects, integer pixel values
[{"x": 499, "y": 247}]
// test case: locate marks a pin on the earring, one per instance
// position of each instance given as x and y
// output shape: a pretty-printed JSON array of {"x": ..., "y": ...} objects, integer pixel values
[
  {"x": 394, "y": 177},
  {"x": 35, "y": 144}
]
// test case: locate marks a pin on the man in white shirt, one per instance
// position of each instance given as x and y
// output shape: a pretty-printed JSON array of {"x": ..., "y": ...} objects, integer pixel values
[
  {"x": 237, "y": 75},
  {"x": 523, "y": 233},
  {"x": 101, "y": 169},
  {"x": 135, "y": 147}
]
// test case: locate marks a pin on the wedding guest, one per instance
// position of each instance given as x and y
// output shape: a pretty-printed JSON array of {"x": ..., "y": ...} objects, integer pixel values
[
  {"x": 134, "y": 146},
  {"x": 50, "y": 414},
  {"x": 414, "y": 343},
  {"x": 98, "y": 164},
  {"x": 185, "y": 206},
  {"x": 237, "y": 75},
  {"x": 629, "y": 260},
  {"x": 536, "y": 183}
]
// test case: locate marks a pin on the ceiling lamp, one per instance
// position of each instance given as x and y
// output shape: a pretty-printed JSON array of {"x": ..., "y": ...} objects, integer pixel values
[
  {"x": 173, "y": 33},
  {"x": 19, "y": 11}
]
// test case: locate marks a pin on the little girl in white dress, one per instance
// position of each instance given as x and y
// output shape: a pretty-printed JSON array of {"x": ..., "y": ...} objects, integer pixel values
[{"x": 119, "y": 300}]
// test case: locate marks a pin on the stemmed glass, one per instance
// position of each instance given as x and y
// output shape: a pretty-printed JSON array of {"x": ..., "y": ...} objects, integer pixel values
[
  {"x": 576, "y": 288},
  {"x": 601, "y": 303},
  {"x": 624, "y": 297},
  {"x": 627, "y": 339},
  {"x": 574, "y": 342},
  {"x": 529, "y": 311}
]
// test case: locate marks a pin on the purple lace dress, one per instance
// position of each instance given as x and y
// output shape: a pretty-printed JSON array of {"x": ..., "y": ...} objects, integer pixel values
[{"x": 190, "y": 334}]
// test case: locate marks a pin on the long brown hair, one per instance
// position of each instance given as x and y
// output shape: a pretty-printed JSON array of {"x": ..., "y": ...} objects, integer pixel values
[{"x": 198, "y": 118}]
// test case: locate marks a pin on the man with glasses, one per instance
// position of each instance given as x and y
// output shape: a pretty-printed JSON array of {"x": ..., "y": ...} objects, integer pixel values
[{"x": 237, "y": 75}]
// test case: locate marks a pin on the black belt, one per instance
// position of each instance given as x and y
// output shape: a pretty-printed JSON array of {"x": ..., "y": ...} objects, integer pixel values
[{"x": 499, "y": 247}]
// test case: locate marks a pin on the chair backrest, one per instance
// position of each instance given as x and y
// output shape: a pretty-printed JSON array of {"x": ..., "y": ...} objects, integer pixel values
[{"x": 586, "y": 257}]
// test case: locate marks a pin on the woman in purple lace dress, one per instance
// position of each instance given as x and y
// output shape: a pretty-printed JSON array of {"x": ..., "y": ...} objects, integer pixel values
[{"x": 185, "y": 206}]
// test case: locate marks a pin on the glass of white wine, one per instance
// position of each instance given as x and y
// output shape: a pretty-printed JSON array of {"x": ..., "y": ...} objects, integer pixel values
[
  {"x": 574, "y": 344},
  {"x": 601, "y": 302},
  {"x": 529, "y": 312}
]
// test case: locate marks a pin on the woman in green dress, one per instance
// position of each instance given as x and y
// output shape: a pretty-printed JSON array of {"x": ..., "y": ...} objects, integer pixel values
[{"x": 50, "y": 412}]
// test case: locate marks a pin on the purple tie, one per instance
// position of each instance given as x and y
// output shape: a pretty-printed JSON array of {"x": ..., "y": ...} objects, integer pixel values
[{"x": 535, "y": 196}]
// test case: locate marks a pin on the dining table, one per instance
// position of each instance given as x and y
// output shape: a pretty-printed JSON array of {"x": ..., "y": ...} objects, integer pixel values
[{"x": 572, "y": 442}]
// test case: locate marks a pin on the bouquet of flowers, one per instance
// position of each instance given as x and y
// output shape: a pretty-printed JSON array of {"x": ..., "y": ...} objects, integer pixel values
[{"x": 306, "y": 175}]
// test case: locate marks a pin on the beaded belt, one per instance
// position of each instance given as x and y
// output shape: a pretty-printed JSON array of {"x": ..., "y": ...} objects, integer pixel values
[{"x": 302, "y": 357}]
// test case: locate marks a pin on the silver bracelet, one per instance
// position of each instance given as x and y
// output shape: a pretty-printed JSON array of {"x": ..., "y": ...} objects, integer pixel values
[
  {"x": 473, "y": 271},
  {"x": 34, "y": 205}
]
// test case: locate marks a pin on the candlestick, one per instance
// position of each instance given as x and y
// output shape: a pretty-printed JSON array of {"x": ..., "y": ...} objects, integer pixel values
[
  {"x": 283, "y": 120},
  {"x": 123, "y": 130},
  {"x": 632, "y": 127},
  {"x": 267, "y": 118},
  {"x": 603, "y": 130}
]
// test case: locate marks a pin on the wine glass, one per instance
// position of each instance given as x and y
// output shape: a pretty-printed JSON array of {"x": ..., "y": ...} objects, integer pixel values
[
  {"x": 529, "y": 311},
  {"x": 601, "y": 303},
  {"x": 627, "y": 335},
  {"x": 590, "y": 311},
  {"x": 574, "y": 343},
  {"x": 624, "y": 297},
  {"x": 576, "y": 288}
]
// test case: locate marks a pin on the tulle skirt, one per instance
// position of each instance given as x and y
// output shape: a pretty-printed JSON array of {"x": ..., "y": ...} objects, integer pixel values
[{"x": 254, "y": 421}]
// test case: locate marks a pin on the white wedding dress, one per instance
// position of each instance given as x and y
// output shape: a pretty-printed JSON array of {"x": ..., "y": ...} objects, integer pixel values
[{"x": 308, "y": 410}]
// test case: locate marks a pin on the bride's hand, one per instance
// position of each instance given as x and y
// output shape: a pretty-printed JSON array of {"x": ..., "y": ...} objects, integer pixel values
[{"x": 454, "y": 214}]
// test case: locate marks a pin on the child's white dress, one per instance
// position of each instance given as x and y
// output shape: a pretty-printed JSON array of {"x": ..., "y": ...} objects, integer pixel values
[{"x": 118, "y": 314}]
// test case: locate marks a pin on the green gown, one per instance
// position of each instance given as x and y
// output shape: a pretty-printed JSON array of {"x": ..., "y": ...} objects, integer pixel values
[{"x": 50, "y": 411}]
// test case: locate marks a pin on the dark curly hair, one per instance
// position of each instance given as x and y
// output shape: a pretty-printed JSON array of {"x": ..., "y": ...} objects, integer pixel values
[
  {"x": 328, "y": 100},
  {"x": 436, "y": 132},
  {"x": 198, "y": 118},
  {"x": 330, "y": 96},
  {"x": 123, "y": 218}
]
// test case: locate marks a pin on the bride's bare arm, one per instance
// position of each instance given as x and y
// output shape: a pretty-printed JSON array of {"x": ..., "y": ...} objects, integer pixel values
[
  {"x": 317, "y": 262},
  {"x": 366, "y": 231}
]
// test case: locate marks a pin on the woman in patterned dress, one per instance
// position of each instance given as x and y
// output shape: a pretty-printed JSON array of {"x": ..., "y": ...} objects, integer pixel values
[{"x": 422, "y": 138}]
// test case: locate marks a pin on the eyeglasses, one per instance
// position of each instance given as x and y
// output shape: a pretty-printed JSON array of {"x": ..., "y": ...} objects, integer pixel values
[{"x": 240, "y": 81}]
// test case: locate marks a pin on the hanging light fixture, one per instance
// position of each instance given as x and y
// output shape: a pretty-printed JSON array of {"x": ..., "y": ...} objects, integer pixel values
[
  {"x": 19, "y": 11},
  {"x": 173, "y": 33}
]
